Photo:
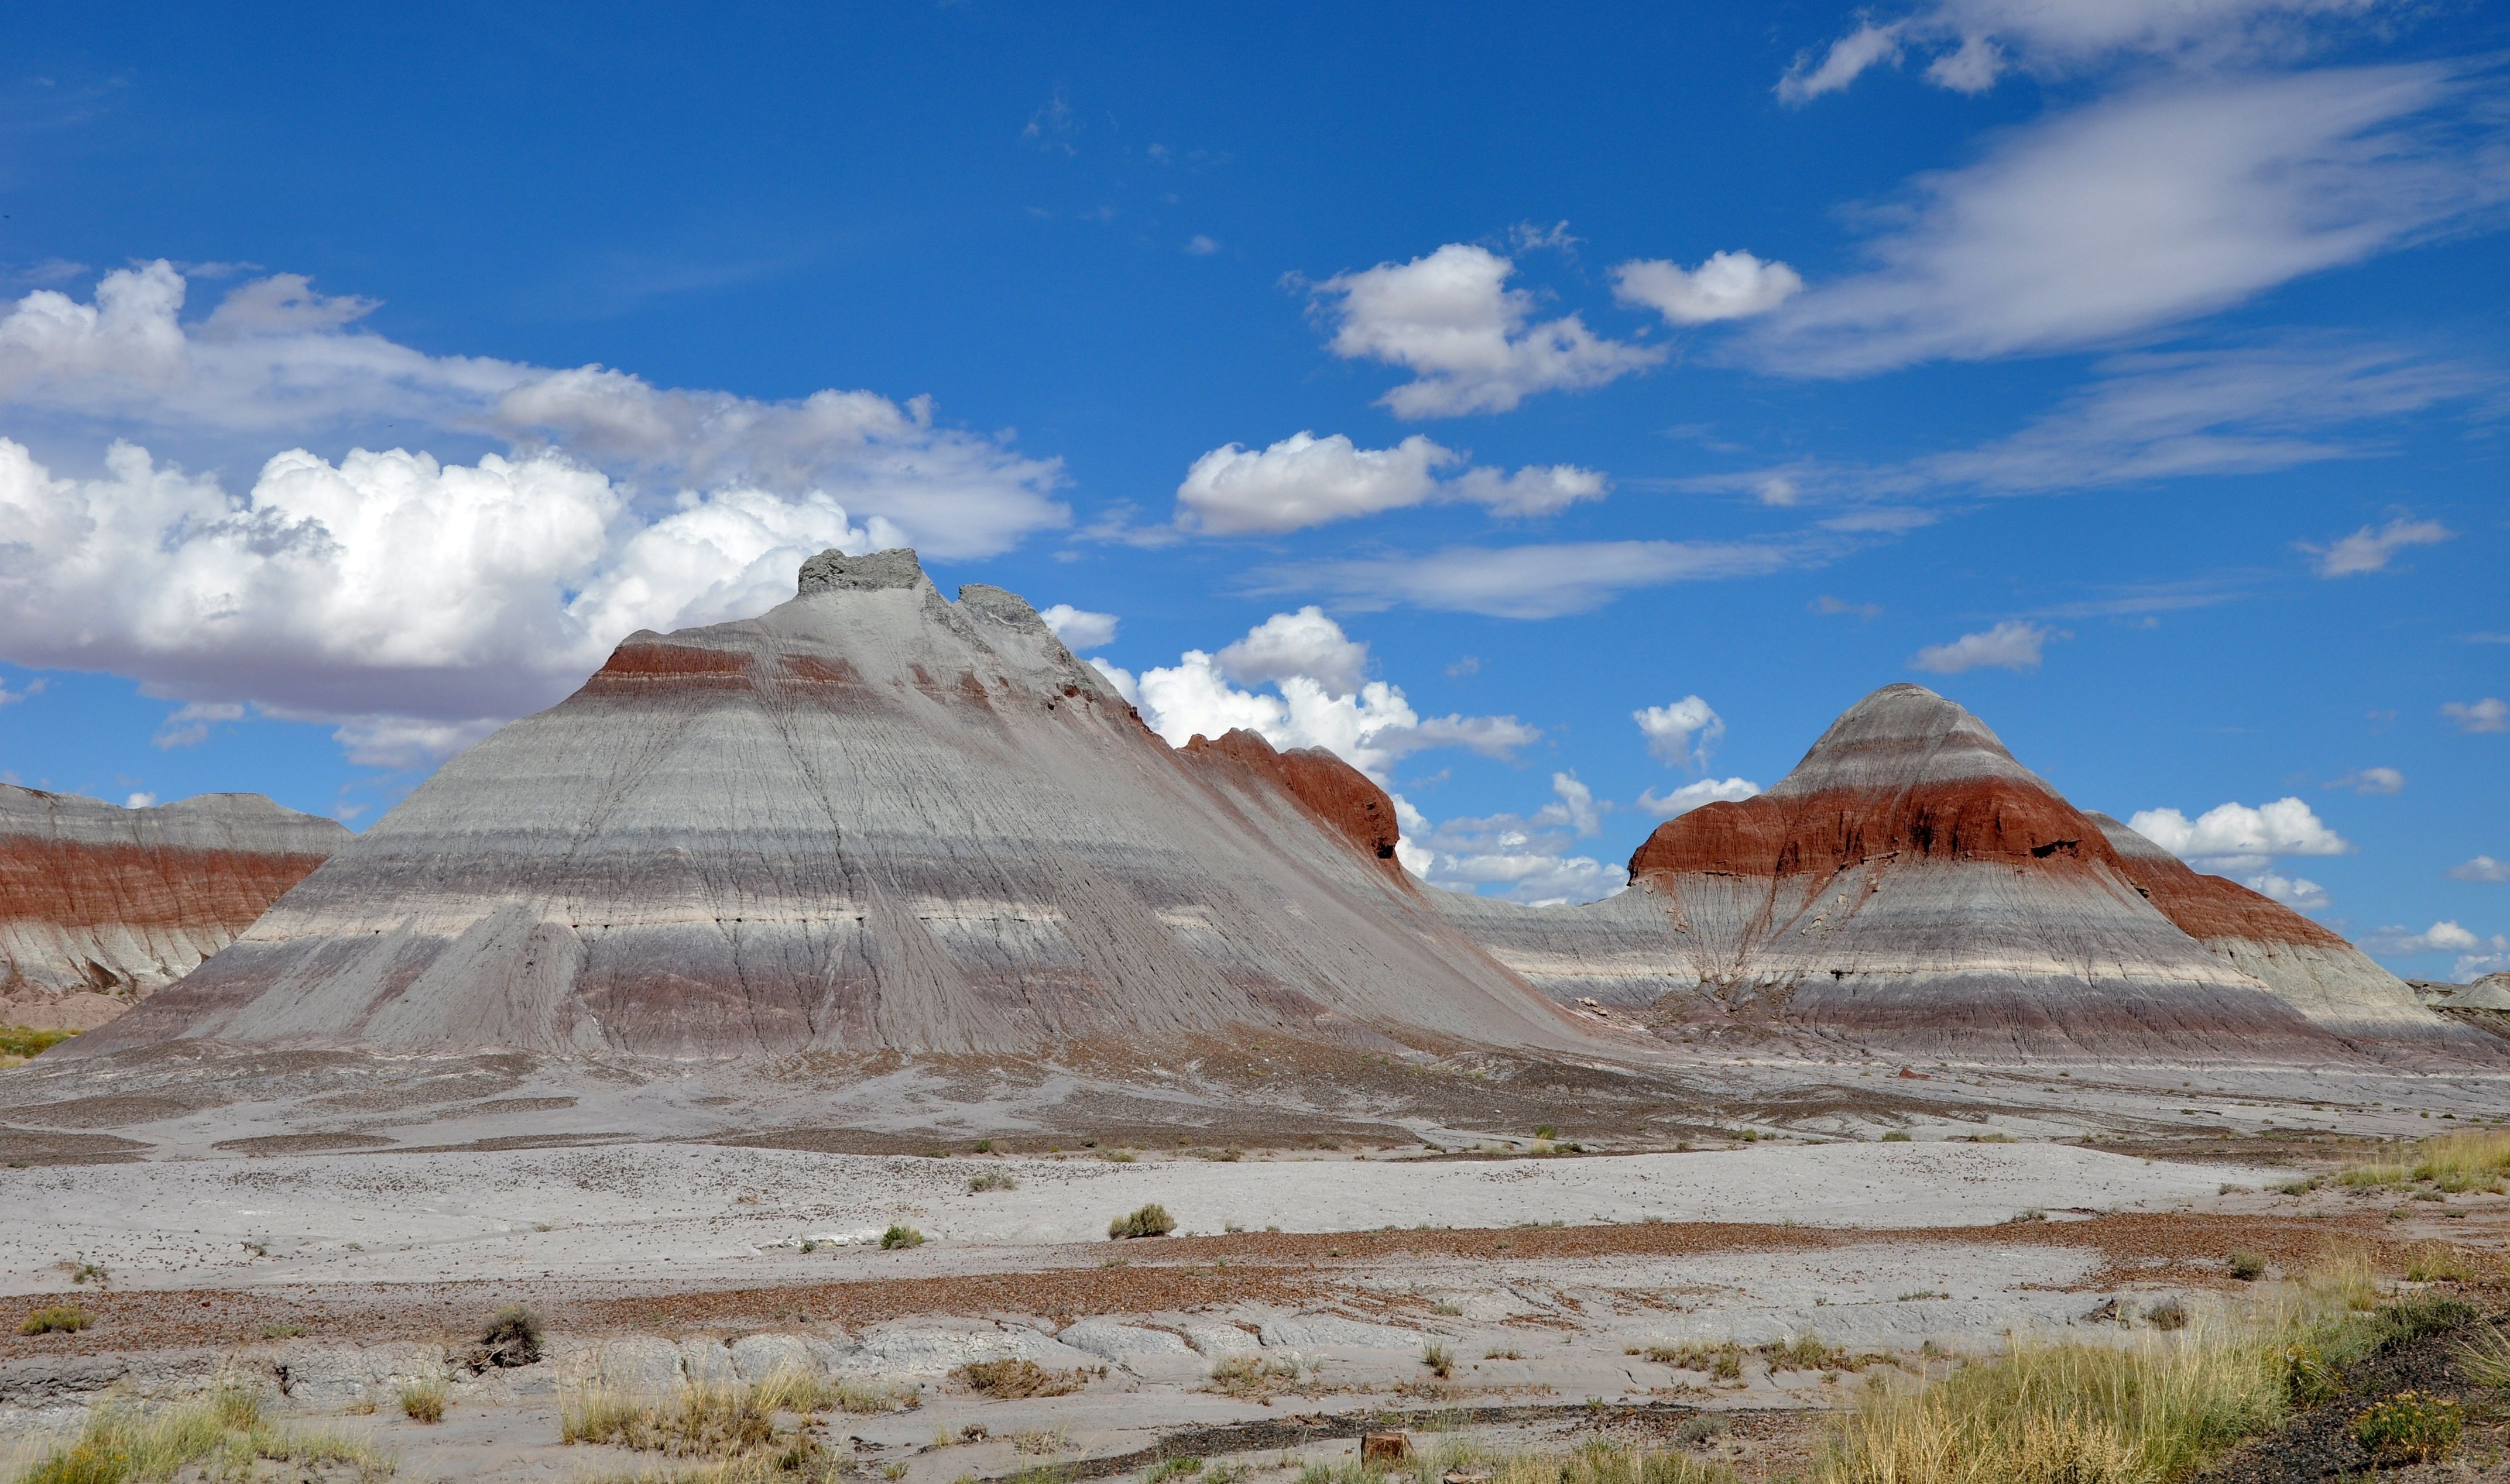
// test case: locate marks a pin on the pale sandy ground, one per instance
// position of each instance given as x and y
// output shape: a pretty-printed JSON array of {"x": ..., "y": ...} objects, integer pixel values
[
  {"x": 701, "y": 1214},
  {"x": 664, "y": 1217}
]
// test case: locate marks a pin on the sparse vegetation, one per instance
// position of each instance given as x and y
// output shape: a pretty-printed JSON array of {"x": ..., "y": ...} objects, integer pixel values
[
  {"x": 1117, "y": 1156},
  {"x": 2138, "y": 1414},
  {"x": 1724, "y": 1362},
  {"x": 2248, "y": 1266},
  {"x": 1440, "y": 1361},
  {"x": 2435, "y": 1262},
  {"x": 993, "y": 1180},
  {"x": 282, "y": 1331},
  {"x": 55, "y": 1319},
  {"x": 90, "y": 1273},
  {"x": 1151, "y": 1220},
  {"x": 735, "y": 1425},
  {"x": 423, "y": 1400},
  {"x": 900, "y": 1236},
  {"x": 1250, "y": 1379},
  {"x": 1013, "y": 1380},
  {"x": 513, "y": 1338},
  {"x": 2168, "y": 1314},
  {"x": 22, "y": 1042},
  {"x": 1503, "y": 1352},
  {"x": 1895, "y": 1136},
  {"x": 2410, "y": 1428},
  {"x": 120, "y": 1444},
  {"x": 2485, "y": 1359}
]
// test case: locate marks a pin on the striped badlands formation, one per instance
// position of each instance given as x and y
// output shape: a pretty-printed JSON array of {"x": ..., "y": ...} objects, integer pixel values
[
  {"x": 1911, "y": 884},
  {"x": 870, "y": 820},
  {"x": 100, "y": 905}
]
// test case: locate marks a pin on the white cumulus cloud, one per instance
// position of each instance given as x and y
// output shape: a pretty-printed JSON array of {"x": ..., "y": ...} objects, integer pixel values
[
  {"x": 1306, "y": 481},
  {"x": 2481, "y": 868},
  {"x": 1526, "y": 858},
  {"x": 384, "y": 586},
  {"x": 2010, "y": 645},
  {"x": 1079, "y": 628},
  {"x": 1369, "y": 724},
  {"x": 1451, "y": 318},
  {"x": 1691, "y": 796},
  {"x": 1288, "y": 645},
  {"x": 2491, "y": 714},
  {"x": 2439, "y": 937},
  {"x": 1683, "y": 733},
  {"x": 2234, "y": 837},
  {"x": 1729, "y": 285},
  {"x": 140, "y": 801},
  {"x": 2370, "y": 549}
]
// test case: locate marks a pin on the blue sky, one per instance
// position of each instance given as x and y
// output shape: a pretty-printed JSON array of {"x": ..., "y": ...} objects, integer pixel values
[{"x": 1625, "y": 394}]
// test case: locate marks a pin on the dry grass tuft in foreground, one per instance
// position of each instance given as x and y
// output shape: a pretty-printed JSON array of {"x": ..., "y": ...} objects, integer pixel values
[
  {"x": 221, "y": 1437},
  {"x": 1012, "y": 1380},
  {"x": 2142, "y": 1414},
  {"x": 730, "y": 1425}
]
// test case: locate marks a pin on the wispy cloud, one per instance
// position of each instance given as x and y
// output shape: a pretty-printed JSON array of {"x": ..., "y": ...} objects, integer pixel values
[
  {"x": 1531, "y": 582},
  {"x": 2146, "y": 209}
]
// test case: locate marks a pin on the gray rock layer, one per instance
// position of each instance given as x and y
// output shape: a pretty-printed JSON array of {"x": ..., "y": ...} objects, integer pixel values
[{"x": 870, "y": 820}]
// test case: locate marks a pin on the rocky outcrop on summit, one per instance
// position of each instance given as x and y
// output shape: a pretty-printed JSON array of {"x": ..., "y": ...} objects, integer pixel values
[
  {"x": 1911, "y": 884},
  {"x": 2333, "y": 984},
  {"x": 870, "y": 820},
  {"x": 101, "y": 906}
]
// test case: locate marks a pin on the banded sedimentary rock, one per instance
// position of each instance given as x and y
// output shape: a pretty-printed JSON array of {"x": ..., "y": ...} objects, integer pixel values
[
  {"x": 872, "y": 818},
  {"x": 101, "y": 906},
  {"x": 2333, "y": 984},
  {"x": 1911, "y": 884}
]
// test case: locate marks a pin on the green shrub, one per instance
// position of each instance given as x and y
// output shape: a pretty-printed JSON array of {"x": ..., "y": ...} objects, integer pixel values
[
  {"x": 2248, "y": 1266},
  {"x": 2309, "y": 1378},
  {"x": 59, "y": 1318},
  {"x": 1895, "y": 1136},
  {"x": 26, "y": 1041},
  {"x": 900, "y": 1236},
  {"x": 1151, "y": 1220},
  {"x": 2410, "y": 1428}
]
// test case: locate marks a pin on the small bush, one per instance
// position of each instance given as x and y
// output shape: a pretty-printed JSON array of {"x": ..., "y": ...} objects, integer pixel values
[
  {"x": 993, "y": 1180},
  {"x": 900, "y": 1236},
  {"x": 2169, "y": 1313},
  {"x": 1440, "y": 1361},
  {"x": 2410, "y": 1428},
  {"x": 1012, "y": 1380},
  {"x": 1895, "y": 1136},
  {"x": 59, "y": 1318},
  {"x": 1173, "y": 1468},
  {"x": 90, "y": 1273},
  {"x": 2248, "y": 1266},
  {"x": 2298, "y": 1187},
  {"x": 1151, "y": 1220},
  {"x": 422, "y": 1401},
  {"x": 513, "y": 1338}
]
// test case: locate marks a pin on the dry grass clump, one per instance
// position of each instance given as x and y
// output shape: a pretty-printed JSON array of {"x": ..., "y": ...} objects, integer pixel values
[
  {"x": 993, "y": 1180},
  {"x": 2435, "y": 1262},
  {"x": 512, "y": 1339},
  {"x": 2462, "y": 1160},
  {"x": 898, "y": 1235},
  {"x": 56, "y": 1318},
  {"x": 423, "y": 1400},
  {"x": 1012, "y": 1380},
  {"x": 2142, "y": 1414},
  {"x": 1723, "y": 1361},
  {"x": 1151, "y": 1220},
  {"x": 1250, "y": 1378},
  {"x": 220, "y": 1436},
  {"x": 735, "y": 1425}
]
